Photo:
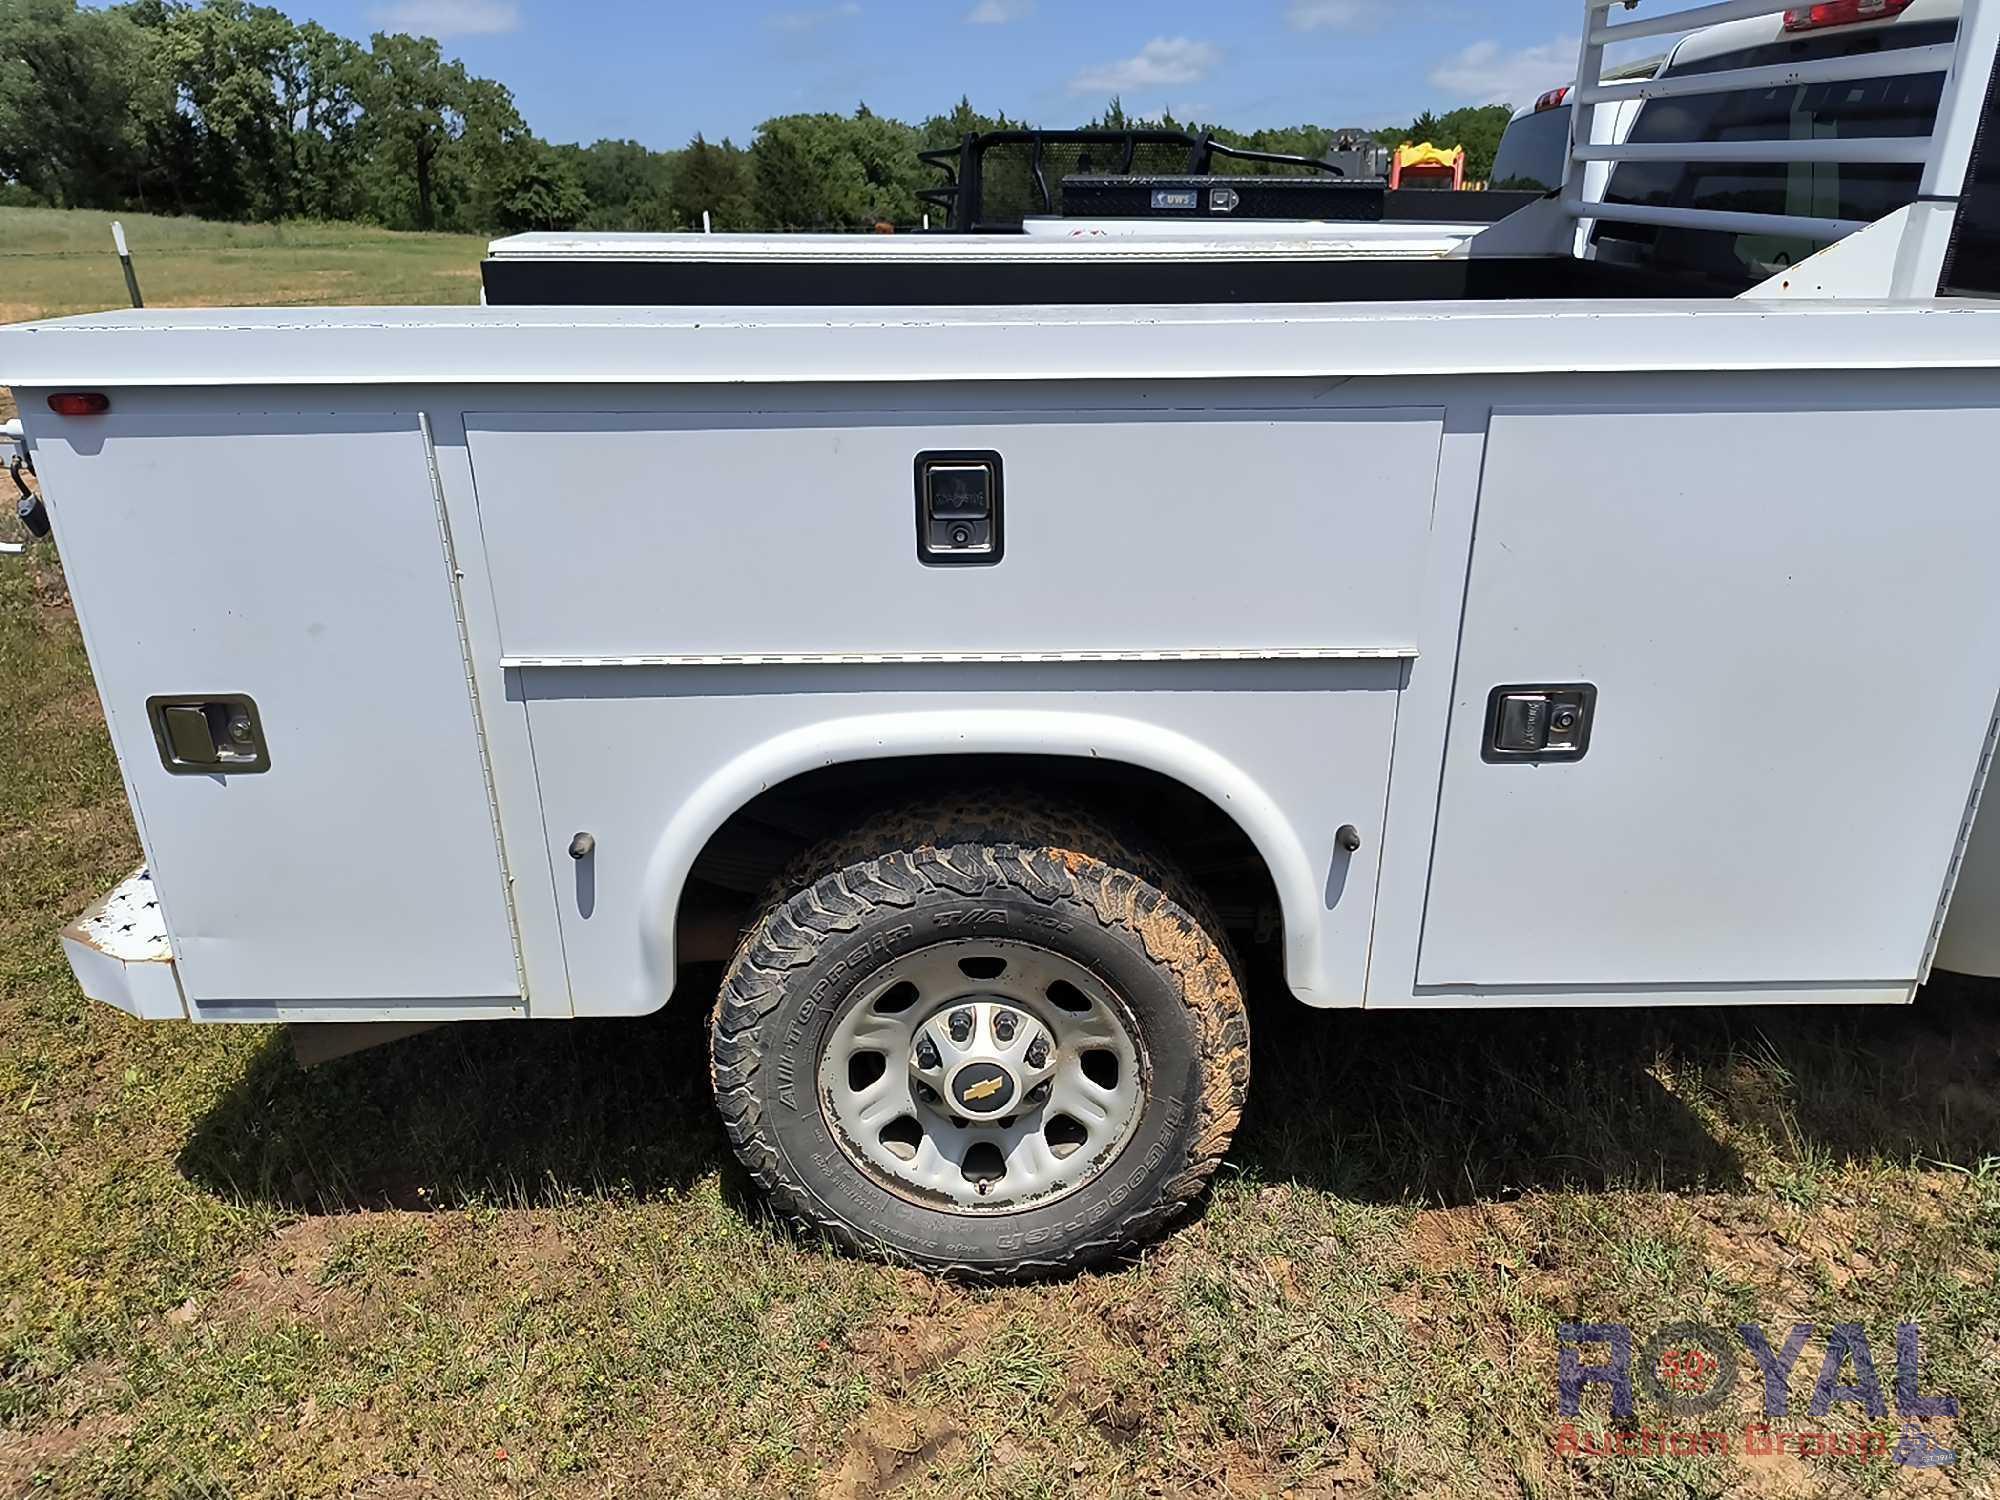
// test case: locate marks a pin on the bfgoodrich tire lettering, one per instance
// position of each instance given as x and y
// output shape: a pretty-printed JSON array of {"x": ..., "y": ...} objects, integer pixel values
[{"x": 1023, "y": 879}]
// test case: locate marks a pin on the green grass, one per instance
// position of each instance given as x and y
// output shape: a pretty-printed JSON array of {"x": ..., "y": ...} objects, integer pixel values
[
  {"x": 54, "y": 262},
  {"x": 519, "y": 1259}
]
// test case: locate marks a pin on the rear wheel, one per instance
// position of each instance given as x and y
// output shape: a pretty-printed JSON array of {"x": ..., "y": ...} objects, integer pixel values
[{"x": 996, "y": 1043}]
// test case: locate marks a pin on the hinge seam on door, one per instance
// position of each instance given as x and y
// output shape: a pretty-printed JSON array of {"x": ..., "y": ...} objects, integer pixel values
[
  {"x": 456, "y": 579},
  {"x": 1957, "y": 864}
]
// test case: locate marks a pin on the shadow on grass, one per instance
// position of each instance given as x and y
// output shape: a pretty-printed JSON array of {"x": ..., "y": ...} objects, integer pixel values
[
  {"x": 484, "y": 1112},
  {"x": 1457, "y": 1107},
  {"x": 1445, "y": 1108}
]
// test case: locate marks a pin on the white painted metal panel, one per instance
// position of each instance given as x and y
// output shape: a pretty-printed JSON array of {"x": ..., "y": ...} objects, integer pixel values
[
  {"x": 1795, "y": 669},
  {"x": 634, "y": 535},
  {"x": 1167, "y": 348},
  {"x": 649, "y": 759},
  {"x": 294, "y": 558}
]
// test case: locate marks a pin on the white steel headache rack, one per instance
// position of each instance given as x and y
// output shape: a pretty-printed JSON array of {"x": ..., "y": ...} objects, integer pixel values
[{"x": 1943, "y": 153}]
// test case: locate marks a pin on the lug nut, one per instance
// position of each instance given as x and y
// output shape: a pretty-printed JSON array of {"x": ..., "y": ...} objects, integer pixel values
[
  {"x": 927, "y": 1054},
  {"x": 960, "y": 1026},
  {"x": 1038, "y": 1052},
  {"x": 1005, "y": 1024},
  {"x": 1039, "y": 1093}
]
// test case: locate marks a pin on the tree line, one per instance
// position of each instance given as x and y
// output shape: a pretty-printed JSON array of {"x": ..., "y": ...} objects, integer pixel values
[{"x": 229, "y": 110}]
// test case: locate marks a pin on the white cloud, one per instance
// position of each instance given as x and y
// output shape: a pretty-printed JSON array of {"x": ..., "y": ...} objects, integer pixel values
[
  {"x": 1486, "y": 73},
  {"x": 999, "y": 12},
  {"x": 1162, "y": 61},
  {"x": 449, "y": 18},
  {"x": 809, "y": 20},
  {"x": 1333, "y": 15}
]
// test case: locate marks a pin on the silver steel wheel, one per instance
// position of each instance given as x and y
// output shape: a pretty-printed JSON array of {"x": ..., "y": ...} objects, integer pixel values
[{"x": 983, "y": 1076}]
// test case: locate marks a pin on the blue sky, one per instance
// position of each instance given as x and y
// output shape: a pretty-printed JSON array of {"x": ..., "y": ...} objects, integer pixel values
[{"x": 660, "y": 72}]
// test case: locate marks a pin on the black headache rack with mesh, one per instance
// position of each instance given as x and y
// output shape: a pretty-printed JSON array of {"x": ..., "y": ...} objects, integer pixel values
[{"x": 997, "y": 178}]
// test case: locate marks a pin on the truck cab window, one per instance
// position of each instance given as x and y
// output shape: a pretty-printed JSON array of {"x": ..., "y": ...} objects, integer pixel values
[
  {"x": 1891, "y": 106},
  {"x": 1533, "y": 152}
]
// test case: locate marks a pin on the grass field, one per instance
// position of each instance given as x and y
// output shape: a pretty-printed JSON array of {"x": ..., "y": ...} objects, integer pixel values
[
  {"x": 56, "y": 262},
  {"x": 518, "y": 1260}
]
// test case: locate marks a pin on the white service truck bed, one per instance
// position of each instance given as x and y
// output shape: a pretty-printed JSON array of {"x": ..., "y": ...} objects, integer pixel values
[{"x": 494, "y": 579}]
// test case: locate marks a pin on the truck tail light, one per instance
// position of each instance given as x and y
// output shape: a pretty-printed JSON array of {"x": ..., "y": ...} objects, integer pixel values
[
  {"x": 79, "y": 403},
  {"x": 1842, "y": 13},
  {"x": 1552, "y": 99}
]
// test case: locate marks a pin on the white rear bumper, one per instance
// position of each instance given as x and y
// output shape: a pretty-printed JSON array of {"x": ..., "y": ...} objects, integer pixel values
[{"x": 119, "y": 952}]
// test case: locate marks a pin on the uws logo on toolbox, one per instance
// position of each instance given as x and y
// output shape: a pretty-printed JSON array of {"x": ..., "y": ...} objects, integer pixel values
[{"x": 1687, "y": 1373}]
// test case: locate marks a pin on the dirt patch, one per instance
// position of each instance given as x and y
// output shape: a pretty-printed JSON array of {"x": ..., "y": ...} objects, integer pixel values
[
  {"x": 891, "y": 1446},
  {"x": 1457, "y": 1239},
  {"x": 82, "y": 1418},
  {"x": 280, "y": 1280},
  {"x": 26, "y": 1456},
  {"x": 937, "y": 1325},
  {"x": 1749, "y": 1246},
  {"x": 1238, "y": 1471}
]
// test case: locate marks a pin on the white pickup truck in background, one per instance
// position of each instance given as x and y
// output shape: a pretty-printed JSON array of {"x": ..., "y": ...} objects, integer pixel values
[{"x": 1537, "y": 622}]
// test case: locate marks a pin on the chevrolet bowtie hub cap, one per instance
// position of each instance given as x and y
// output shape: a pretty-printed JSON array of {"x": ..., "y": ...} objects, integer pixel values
[{"x": 984, "y": 1088}]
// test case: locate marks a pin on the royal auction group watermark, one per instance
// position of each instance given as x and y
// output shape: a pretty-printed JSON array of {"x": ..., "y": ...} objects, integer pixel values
[{"x": 1688, "y": 1373}]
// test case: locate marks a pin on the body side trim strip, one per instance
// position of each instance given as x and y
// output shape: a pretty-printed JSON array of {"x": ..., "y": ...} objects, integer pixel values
[{"x": 956, "y": 658}]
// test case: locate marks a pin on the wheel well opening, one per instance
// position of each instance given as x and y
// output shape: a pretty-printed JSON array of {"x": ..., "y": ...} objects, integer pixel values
[{"x": 735, "y": 870}]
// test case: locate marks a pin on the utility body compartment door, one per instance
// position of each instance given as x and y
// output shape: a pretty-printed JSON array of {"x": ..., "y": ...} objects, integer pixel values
[
  {"x": 294, "y": 560},
  {"x": 1791, "y": 623},
  {"x": 613, "y": 535}
]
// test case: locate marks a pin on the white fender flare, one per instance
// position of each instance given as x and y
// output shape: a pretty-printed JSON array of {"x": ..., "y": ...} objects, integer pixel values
[{"x": 1085, "y": 736}]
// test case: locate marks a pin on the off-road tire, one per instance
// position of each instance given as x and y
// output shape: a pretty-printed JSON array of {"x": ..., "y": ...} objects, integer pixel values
[{"x": 904, "y": 880}]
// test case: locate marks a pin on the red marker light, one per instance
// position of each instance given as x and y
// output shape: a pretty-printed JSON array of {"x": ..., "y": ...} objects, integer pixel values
[
  {"x": 1842, "y": 13},
  {"x": 79, "y": 403},
  {"x": 1552, "y": 99}
]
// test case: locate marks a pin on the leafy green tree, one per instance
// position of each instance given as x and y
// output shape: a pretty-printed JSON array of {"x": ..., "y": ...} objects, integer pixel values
[
  {"x": 417, "y": 107},
  {"x": 1478, "y": 130},
  {"x": 627, "y": 185},
  {"x": 81, "y": 99},
  {"x": 941, "y": 131},
  {"x": 802, "y": 173},
  {"x": 225, "y": 57},
  {"x": 837, "y": 171},
  {"x": 320, "y": 80},
  {"x": 716, "y": 178},
  {"x": 537, "y": 187},
  {"x": 494, "y": 135}
]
